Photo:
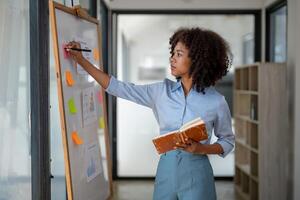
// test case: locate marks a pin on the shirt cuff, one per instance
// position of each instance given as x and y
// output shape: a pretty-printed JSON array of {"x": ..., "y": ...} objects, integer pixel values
[
  {"x": 112, "y": 85},
  {"x": 227, "y": 147}
]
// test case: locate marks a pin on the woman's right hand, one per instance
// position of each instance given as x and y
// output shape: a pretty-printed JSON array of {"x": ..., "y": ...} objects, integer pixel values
[
  {"x": 76, "y": 55},
  {"x": 101, "y": 77}
]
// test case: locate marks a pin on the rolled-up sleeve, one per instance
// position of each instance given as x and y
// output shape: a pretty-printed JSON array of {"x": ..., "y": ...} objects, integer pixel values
[
  {"x": 223, "y": 128},
  {"x": 140, "y": 94}
]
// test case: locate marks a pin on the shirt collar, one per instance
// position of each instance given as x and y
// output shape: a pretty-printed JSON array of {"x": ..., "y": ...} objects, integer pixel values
[{"x": 176, "y": 85}]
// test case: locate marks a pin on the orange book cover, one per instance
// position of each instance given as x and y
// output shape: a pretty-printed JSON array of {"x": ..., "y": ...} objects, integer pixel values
[{"x": 194, "y": 130}]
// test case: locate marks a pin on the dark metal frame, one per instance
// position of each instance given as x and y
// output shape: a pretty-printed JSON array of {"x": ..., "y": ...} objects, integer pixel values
[
  {"x": 269, "y": 10},
  {"x": 112, "y": 103},
  {"x": 106, "y": 27},
  {"x": 39, "y": 93},
  {"x": 104, "y": 31},
  {"x": 93, "y": 8}
]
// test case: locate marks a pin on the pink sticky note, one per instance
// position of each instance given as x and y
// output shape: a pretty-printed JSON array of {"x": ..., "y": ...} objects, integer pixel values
[
  {"x": 99, "y": 95},
  {"x": 66, "y": 53}
]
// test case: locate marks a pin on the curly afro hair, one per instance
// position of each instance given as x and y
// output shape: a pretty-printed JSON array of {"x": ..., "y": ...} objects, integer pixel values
[{"x": 210, "y": 55}]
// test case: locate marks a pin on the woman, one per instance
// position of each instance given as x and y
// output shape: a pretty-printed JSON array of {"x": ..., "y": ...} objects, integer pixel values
[{"x": 199, "y": 58}]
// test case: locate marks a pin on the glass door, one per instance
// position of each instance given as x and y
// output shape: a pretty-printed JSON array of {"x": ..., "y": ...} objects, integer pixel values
[{"x": 143, "y": 57}]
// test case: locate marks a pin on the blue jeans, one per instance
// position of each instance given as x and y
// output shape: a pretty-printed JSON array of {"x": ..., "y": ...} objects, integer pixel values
[{"x": 184, "y": 176}]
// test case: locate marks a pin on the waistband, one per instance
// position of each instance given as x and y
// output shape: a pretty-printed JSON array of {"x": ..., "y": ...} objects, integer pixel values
[{"x": 182, "y": 153}]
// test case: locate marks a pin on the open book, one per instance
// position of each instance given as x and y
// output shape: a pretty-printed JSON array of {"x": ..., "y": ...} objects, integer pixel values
[{"x": 194, "y": 130}]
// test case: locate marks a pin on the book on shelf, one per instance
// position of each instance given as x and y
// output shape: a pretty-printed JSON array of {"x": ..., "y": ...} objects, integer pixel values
[{"x": 194, "y": 130}]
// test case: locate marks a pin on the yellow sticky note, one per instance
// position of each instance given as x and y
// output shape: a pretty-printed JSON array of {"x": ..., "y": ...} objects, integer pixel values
[
  {"x": 101, "y": 123},
  {"x": 76, "y": 138},
  {"x": 72, "y": 106},
  {"x": 96, "y": 54},
  {"x": 69, "y": 79}
]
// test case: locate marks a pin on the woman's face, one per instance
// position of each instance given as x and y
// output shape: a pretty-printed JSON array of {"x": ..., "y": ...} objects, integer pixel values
[{"x": 180, "y": 62}]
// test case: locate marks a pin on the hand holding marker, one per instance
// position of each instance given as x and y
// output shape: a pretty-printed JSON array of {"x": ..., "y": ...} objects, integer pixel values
[{"x": 77, "y": 49}]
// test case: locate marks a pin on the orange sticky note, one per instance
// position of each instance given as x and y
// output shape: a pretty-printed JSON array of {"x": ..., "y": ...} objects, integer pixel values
[
  {"x": 69, "y": 79},
  {"x": 96, "y": 54},
  {"x": 76, "y": 138},
  {"x": 101, "y": 123}
]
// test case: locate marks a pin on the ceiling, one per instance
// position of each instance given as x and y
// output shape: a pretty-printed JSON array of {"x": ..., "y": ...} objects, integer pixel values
[{"x": 184, "y": 4}]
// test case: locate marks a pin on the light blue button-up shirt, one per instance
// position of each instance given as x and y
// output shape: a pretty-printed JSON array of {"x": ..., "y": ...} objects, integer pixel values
[{"x": 172, "y": 109}]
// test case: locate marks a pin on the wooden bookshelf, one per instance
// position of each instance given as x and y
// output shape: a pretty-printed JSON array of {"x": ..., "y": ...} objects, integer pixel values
[{"x": 258, "y": 111}]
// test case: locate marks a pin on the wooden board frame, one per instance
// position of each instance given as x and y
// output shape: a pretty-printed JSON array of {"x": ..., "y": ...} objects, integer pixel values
[{"x": 78, "y": 12}]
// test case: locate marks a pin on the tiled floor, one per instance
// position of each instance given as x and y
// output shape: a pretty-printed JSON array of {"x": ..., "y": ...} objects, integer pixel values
[
  {"x": 142, "y": 190},
  {"x": 136, "y": 189}
]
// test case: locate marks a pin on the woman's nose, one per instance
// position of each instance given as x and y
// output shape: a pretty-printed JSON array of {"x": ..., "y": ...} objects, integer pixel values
[{"x": 171, "y": 59}]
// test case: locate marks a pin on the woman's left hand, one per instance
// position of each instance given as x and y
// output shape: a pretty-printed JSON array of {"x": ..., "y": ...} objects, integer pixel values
[{"x": 190, "y": 146}]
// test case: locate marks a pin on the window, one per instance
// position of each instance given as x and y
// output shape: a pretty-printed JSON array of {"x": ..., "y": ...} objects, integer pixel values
[
  {"x": 276, "y": 33},
  {"x": 15, "y": 133}
]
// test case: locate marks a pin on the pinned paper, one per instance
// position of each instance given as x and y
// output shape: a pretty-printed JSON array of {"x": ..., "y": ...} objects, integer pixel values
[
  {"x": 96, "y": 54},
  {"x": 72, "y": 106},
  {"x": 76, "y": 138},
  {"x": 101, "y": 123},
  {"x": 66, "y": 53},
  {"x": 87, "y": 55},
  {"x": 92, "y": 162},
  {"x": 69, "y": 79},
  {"x": 89, "y": 112},
  {"x": 99, "y": 95}
]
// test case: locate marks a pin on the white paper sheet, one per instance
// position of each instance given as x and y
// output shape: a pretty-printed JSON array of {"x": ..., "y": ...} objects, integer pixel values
[
  {"x": 93, "y": 165},
  {"x": 85, "y": 54},
  {"x": 89, "y": 114}
]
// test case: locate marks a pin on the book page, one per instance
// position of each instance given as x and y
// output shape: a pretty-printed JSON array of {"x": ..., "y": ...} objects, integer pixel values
[
  {"x": 166, "y": 134},
  {"x": 190, "y": 123}
]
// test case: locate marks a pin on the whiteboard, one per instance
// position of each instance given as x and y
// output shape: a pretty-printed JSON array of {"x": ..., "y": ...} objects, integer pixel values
[{"x": 82, "y": 107}]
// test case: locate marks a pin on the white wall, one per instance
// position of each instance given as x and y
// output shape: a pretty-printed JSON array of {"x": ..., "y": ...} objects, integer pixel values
[
  {"x": 268, "y": 2},
  {"x": 184, "y": 4}
]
